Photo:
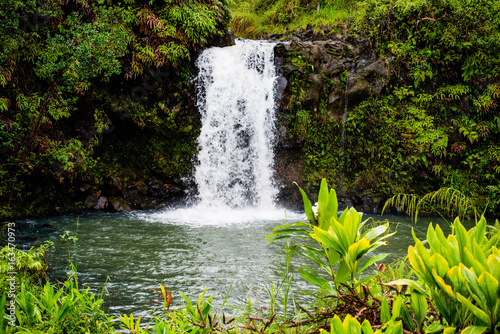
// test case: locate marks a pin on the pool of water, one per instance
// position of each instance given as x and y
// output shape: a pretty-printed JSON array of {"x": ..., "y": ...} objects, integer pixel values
[{"x": 186, "y": 250}]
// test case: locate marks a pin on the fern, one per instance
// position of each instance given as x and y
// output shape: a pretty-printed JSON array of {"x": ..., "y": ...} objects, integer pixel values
[
  {"x": 448, "y": 200},
  {"x": 407, "y": 202}
]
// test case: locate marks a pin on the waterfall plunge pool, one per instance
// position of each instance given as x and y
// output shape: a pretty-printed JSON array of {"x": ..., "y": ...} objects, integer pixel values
[{"x": 223, "y": 252}]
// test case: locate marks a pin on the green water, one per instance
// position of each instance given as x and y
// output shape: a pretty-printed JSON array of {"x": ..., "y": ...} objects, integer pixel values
[{"x": 136, "y": 251}]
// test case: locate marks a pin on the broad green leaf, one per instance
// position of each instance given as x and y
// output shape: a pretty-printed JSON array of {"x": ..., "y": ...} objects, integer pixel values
[
  {"x": 412, "y": 284},
  {"x": 445, "y": 305},
  {"x": 371, "y": 261},
  {"x": 489, "y": 286},
  {"x": 342, "y": 216},
  {"x": 343, "y": 241},
  {"x": 366, "y": 327},
  {"x": 481, "y": 315},
  {"x": 494, "y": 264},
  {"x": 396, "y": 308},
  {"x": 445, "y": 287},
  {"x": 462, "y": 237},
  {"x": 395, "y": 328},
  {"x": 474, "y": 330},
  {"x": 435, "y": 327},
  {"x": 312, "y": 277},
  {"x": 323, "y": 205},
  {"x": 449, "y": 330},
  {"x": 342, "y": 273},
  {"x": 457, "y": 279},
  {"x": 480, "y": 256},
  {"x": 328, "y": 240},
  {"x": 385, "y": 312},
  {"x": 418, "y": 264},
  {"x": 407, "y": 319},
  {"x": 307, "y": 206},
  {"x": 372, "y": 233},
  {"x": 333, "y": 204},
  {"x": 478, "y": 232},
  {"x": 470, "y": 261},
  {"x": 358, "y": 249},
  {"x": 351, "y": 325},
  {"x": 337, "y": 326},
  {"x": 418, "y": 304},
  {"x": 473, "y": 284},
  {"x": 439, "y": 263},
  {"x": 351, "y": 225}
]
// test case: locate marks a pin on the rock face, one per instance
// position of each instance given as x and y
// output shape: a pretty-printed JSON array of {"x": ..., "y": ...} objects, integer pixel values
[
  {"x": 321, "y": 78},
  {"x": 333, "y": 71}
]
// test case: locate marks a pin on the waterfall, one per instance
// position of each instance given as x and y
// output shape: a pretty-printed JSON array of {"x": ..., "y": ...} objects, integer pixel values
[
  {"x": 235, "y": 96},
  {"x": 343, "y": 141}
]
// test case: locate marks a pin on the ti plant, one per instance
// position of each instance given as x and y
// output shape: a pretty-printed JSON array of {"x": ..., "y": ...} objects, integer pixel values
[
  {"x": 340, "y": 242},
  {"x": 461, "y": 275}
]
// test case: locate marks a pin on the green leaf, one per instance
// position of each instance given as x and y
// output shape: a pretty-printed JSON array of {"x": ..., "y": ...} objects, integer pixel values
[
  {"x": 396, "y": 308},
  {"x": 412, "y": 284},
  {"x": 371, "y": 261},
  {"x": 481, "y": 315},
  {"x": 366, "y": 327},
  {"x": 418, "y": 305},
  {"x": 385, "y": 312},
  {"x": 337, "y": 326},
  {"x": 307, "y": 206},
  {"x": 439, "y": 263},
  {"x": 474, "y": 330},
  {"x": 490, "y": 288},
  {"x": 324, "y": 214},
  {"x": 351, "y": 325},
  {"x": 435, "y": 327},
  {"x": 372, "y": 233},
  {"x": 312, "y": 277},
  {"x": 407, "y": 319}
]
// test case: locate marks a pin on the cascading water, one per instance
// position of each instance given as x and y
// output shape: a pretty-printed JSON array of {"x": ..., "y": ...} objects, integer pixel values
[
  {"x": 234, "y": 174},
  {"x": 343, "y": 141},
  {"x": 236, "y": 100}
]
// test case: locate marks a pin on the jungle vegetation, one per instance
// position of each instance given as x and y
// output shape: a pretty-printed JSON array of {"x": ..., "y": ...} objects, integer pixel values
[
  {"x": 95, "y": 88},
  {"x": 435, "y": 126},
  {"x": 446, "y": 284},
  {"x": 98, "y": 88}
]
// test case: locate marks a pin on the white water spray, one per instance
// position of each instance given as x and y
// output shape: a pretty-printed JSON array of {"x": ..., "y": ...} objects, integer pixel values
[
  {"x": 236, "y": 100},
  {"x": 235, "y": 89}
]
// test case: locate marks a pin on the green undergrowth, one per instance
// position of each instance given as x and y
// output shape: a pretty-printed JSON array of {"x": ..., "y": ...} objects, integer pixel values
[
  {"x": 446, "y": 284},
  {"x": 260, "y": 18}
]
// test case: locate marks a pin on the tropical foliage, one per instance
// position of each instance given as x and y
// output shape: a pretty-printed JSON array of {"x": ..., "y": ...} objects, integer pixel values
[
  {"x": 76, "y": 76},
  {"x": 452, "y": 286}
]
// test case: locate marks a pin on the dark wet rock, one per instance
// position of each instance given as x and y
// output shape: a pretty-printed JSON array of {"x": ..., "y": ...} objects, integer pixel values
[
  {"x": 112, "y": 186},
  {"x": 84, "y": 187},
  {"x": 102, "y": 203},
  {"x": 119, "y": 204},
  {"x": 91, "y": 200},
  {"x": 164, "y": 191}
]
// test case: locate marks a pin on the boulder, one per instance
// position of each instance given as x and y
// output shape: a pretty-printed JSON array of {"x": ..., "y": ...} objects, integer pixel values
[
  {"x": 102, "y": 203},
  {"x": 91, "y": 200},
  {"x": 119, "y": 204}
]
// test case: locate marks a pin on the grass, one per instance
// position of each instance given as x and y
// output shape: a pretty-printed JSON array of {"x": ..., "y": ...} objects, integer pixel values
[{"x": 260, "y": 18}]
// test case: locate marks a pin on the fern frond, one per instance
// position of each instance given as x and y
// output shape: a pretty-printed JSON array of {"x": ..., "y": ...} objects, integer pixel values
[
  {"x": 407, "y": 202},
  {"x": 451, "y": 201}
]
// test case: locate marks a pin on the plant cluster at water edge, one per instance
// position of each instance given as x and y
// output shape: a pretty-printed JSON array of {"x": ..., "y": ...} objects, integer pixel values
[{"x": 447, "y": 284}]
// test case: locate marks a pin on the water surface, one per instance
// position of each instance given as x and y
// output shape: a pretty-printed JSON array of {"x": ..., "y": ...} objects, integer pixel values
[{"x": 185, "y": 250}]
